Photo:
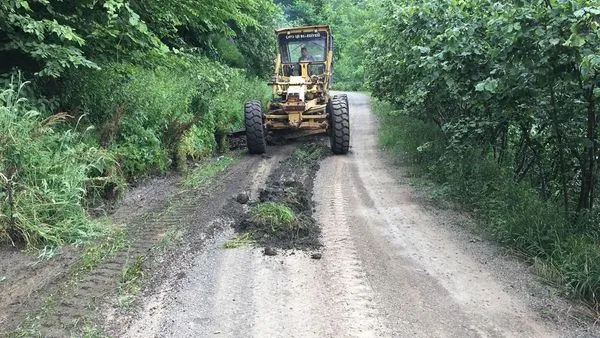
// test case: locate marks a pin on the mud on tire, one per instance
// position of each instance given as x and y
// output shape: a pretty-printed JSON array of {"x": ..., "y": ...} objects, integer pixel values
[
  {"x": 339, "y": 125},
  {"x": 255, "y": 133}
]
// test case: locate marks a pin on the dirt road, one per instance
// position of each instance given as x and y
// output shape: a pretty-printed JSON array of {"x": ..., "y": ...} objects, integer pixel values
[{"x": 391, "y": 266}]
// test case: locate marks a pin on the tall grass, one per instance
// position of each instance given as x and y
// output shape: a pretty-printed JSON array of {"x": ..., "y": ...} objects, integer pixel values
[
  {"x": 46, "y": 172},
  {"x": 511, "y": 212}
]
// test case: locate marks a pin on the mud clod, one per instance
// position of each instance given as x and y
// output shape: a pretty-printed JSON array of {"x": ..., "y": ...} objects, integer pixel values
[
  {"x": 268, "y": 251},
  {"x": 242, "y": 198}
]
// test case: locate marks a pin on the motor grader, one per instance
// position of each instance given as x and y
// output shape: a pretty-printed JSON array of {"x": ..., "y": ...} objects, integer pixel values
[{"x": 301, "y": 104}]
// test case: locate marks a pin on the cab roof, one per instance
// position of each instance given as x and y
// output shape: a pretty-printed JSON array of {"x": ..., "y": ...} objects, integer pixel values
[{"x": 304, "y": 29}]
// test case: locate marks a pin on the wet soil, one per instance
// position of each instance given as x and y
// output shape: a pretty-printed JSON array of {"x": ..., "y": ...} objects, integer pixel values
[
  {"x": 57, "y": 298},
  {"x": 291, "y": 184},
  {"x": 162, "y": 223}
]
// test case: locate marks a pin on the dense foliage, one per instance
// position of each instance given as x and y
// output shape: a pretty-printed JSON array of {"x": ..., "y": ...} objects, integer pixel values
[
  {"x": 351, "y": 22},
  {"x": 121, "y": 89},
  {"x": 49, "y": 36},
  {"x": 498, "y": 101}
]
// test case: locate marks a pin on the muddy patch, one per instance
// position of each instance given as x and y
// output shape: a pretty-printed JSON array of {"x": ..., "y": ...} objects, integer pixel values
[
  {"x": 65, "y": 295},
  {"x": 282, "y": 216}
]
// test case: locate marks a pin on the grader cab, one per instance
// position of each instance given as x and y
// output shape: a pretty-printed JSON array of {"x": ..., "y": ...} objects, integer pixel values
[{"x": 301, "y": 104}]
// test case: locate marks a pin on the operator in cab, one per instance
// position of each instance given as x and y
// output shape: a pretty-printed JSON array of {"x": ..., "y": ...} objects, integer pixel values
[{"x": 305, "y": 56}]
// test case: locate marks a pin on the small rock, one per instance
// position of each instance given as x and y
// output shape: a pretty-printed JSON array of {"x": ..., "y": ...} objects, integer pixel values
[
  {"x": 242, "y": 198},
  {"x": 316, "y": 255},
  {"x": 475, "y": 240},
  {"x": 270, "y": 251}
]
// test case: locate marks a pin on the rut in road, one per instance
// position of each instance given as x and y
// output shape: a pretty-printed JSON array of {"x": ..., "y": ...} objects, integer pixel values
[{"x": 390, "y": 267}]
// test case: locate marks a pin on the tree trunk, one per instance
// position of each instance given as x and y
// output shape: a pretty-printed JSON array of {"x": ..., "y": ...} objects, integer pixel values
[{"x": 588, "y": 172}]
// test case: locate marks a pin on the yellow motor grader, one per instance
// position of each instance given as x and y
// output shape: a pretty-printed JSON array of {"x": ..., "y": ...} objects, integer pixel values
[{"x": 301, "y": 104}]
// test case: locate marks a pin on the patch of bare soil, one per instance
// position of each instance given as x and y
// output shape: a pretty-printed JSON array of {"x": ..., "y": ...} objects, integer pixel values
[{"x": 22, "y": 275}]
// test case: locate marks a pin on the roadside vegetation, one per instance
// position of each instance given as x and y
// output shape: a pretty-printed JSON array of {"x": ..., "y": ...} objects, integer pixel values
[
  {"x": 496, "y": 102},
  {"x": 98, "y": 94}
]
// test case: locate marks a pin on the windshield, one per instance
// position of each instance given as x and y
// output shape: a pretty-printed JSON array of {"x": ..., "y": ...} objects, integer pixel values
[{"x": 305, "y": 47}]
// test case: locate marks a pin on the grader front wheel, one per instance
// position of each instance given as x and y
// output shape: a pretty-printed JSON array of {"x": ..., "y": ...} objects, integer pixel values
[
  {"x": 340, "y": 126},
  {"x": 255, "y": 133}
]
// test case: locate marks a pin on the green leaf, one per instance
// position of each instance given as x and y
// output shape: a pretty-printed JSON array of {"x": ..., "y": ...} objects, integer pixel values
[
  {"x": 575, "y": 40},
  {"x": 488, "y": 85},
  {"x": 134, "y": 19}
]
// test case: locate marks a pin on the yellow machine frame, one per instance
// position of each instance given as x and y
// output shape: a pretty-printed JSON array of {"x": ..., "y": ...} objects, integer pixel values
[{"x": 308, "y": 113}]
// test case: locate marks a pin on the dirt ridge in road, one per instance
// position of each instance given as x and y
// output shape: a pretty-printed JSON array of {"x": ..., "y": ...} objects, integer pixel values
[
  {"x": 291, "y": 184},
  {"x": 290, "y": 165}
]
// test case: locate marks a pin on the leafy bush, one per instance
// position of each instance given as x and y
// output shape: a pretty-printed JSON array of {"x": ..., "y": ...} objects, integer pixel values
[
  {"x": 514, "y": 81},
  {"x": 511, "y": 90},
  {"x": 155, "y": 118},
  {"x": 45, "y": 175},
  {"x": 49, "y": 38}
]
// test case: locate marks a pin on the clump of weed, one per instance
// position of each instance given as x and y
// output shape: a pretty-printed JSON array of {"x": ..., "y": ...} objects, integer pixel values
[
  {"x": 244, "y": 239},
  {"x": 273, "y": 215},
  {"x": 310, "y": 153},
  {"x": 277, "y": 224},
  {"x": 130, "y": 283},
  {"x": 206, "y": 171}
]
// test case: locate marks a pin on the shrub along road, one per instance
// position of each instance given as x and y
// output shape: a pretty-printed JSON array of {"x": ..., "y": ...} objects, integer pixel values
[{"x": 391, "y": 264}]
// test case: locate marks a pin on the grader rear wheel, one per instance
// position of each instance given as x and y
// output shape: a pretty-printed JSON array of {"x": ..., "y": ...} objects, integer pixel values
[
  {"x": 339, "y": 126},
  {"x": 255, "y": 133}
]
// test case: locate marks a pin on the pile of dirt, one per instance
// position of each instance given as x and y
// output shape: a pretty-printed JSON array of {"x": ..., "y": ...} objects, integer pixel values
[{"x": 282, "y": 217}]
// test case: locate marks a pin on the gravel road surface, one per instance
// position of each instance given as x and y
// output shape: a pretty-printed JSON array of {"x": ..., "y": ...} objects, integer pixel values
[{"x": 391, "y": 266}]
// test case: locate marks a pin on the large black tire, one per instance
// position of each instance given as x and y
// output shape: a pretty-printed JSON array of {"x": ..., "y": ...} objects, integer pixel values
[
  {"x": 343, "y": 97},
  {"x": 339, "y": 126},
  {"x": 255, "y": 133}
]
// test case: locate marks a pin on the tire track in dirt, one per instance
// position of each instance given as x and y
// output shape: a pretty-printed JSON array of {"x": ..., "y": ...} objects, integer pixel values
[
  {"x": 424, "y": 281},
  {"x": 148, "y": 214},
  {"x": 352, "y": 293},
  {"x": 159, "y": 296}
]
